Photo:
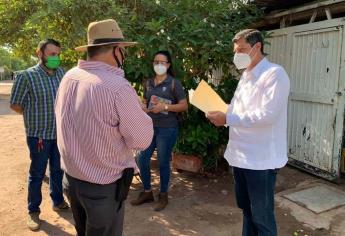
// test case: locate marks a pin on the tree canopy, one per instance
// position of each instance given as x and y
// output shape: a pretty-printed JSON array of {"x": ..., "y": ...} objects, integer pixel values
[{"x": 197, "y": 33}]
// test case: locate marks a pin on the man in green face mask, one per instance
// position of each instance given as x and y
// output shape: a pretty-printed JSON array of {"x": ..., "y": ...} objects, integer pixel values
[
  {"x": 33, "y": 95},
  {"x": 49, "y": 57}
]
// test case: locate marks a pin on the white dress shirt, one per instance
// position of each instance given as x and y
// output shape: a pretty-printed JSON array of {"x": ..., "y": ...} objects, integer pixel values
[{"x": 257, "y": 117}]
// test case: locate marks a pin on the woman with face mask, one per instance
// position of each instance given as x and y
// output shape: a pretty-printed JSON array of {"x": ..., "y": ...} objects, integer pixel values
[{"x": 164, "y": 97}]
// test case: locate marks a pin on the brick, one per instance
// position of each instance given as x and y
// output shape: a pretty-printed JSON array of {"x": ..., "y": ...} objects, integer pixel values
[{"x": 187, "y": 163}]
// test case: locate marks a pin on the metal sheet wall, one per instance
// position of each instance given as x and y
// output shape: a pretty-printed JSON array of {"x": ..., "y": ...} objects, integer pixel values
[{"x": 312, "y": 60}]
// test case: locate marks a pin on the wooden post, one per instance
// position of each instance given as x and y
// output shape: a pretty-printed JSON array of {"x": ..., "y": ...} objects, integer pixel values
[
  {"x": 328, "y": 13},
  {"x": 312, "y": 19}
]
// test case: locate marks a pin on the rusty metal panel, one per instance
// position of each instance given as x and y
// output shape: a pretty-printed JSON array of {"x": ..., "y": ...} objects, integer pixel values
[
  {"x": 277, "y": 49},
  {"x": 315, "y": 62},
  {"x": 311, "y": 133},
  {"x": 314, "y": 82},
  {"x": 312, "y": 59}
]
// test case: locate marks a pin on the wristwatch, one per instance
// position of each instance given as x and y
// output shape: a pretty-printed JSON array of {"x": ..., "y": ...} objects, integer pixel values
[{"x": 165, "y": 107}]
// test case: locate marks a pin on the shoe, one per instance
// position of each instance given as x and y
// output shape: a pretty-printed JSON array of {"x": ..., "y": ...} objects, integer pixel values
[
  {"x": 143, "y": 197},
  {"x": 162, "y": 201},
  {"x": 34, "y": 222},
  {"x": 63, "y": 206}
]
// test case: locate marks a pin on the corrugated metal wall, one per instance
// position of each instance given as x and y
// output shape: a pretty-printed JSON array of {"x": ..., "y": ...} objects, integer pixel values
[{"x": 312, "y": 60}]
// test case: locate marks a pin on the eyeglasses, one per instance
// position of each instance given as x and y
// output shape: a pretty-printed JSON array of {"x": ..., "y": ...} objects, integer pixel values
[{"x": 160, "y": 62}]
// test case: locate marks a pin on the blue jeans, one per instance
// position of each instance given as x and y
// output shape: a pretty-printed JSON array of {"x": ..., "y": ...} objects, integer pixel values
[
  {"x": 163, "y": 140},
  {"x": 39, "y": 159},
  {"x": 255, "y": 196}
]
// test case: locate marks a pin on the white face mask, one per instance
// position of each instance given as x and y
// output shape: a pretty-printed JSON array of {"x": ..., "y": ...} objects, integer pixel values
[
  {"x": 242, "y": 60},
  {"x": 160, "y": 69}
]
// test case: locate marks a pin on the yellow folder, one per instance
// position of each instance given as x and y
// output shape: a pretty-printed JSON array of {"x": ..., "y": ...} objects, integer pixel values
[{"x": 206, "y": 99}]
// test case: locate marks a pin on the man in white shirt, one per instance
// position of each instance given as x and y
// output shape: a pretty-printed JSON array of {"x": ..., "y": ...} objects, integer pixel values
[{"x": 257, "y": 117}]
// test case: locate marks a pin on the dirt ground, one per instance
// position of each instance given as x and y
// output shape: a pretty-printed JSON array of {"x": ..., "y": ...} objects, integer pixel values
[{"x": 198, "y": 205}]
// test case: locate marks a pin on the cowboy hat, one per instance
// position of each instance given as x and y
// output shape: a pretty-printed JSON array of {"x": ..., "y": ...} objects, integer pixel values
[{"x": 105, "y": 32}]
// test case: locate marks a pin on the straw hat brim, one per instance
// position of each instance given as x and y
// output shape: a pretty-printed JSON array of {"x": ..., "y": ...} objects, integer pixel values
[{"x": 123, "y": 44}]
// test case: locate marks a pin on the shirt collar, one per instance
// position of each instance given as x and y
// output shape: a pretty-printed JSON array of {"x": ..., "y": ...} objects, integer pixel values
[
  {"x": 166, "y": 81},
  {"x": 42, "y": 70},
  {"x": 258, "y": 68},
  {"x": 99, "y": 65}
]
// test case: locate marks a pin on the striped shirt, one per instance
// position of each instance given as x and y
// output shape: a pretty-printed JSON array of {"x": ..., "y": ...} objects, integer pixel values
[
  {"x": 35, "y": 91},
  {"x": 99, "y": 123}
]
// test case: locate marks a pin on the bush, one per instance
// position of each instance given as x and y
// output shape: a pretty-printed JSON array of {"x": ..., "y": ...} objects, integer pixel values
[{"x": 198, "y": 33}]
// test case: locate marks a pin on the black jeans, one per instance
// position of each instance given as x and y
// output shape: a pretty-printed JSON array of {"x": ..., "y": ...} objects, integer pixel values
[
  {"x": 255, "y": 196},
  {"x": 95, "y": 210}
]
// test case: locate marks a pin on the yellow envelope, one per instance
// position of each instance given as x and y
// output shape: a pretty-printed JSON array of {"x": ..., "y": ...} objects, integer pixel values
[{"x": 206, "y": 99}]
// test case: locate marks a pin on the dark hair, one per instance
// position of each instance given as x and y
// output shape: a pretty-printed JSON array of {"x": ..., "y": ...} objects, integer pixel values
[
  {"x": 252, "y": 36},
  {"x": 96, "y": 50},
  {"x": 43, "y": 44},
  {"x": 168, "y": 56}
]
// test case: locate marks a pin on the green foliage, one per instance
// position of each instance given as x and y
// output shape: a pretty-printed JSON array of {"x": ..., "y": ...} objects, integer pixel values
[
  {"x": 199, "y": 137},
  {"x": 25, "y": 22},
  {"x": 197, "y": 33},
  {"x": 11, "y": 62}
]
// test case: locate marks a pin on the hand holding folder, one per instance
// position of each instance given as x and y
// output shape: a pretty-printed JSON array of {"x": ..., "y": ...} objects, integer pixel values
[{"x": 206, "y": 99}]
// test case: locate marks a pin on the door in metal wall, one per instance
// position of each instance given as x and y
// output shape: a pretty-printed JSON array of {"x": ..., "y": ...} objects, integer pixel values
[{"x": 312, "y": 60}]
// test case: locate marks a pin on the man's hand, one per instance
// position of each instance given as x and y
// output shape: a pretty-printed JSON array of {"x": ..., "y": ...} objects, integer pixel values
[
  {"x": 17, "y": 108},
  {"x": 217, "y": 118}
]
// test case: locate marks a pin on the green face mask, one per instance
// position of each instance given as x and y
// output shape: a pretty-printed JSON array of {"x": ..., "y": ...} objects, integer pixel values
[{"x": 52, "y": 62}]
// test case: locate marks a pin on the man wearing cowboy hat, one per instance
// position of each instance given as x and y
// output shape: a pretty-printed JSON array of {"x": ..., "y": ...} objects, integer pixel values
[{"x": 99, "y": 123}]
